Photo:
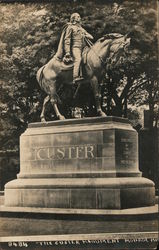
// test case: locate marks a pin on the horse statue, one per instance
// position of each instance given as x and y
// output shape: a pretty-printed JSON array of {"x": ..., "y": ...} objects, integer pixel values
[{"x": 106, "y": 52}]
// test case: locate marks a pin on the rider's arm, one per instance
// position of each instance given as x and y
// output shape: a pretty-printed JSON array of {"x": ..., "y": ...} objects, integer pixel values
[
  {"x": 67, "y": 40},
  {"x": 86, "y": 34},
  {"x": 89, "y": 36}
]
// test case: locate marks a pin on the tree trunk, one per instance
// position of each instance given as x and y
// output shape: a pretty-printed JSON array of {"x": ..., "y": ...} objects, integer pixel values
[
  {"x": 151, "y": 118},
  {"x": 125, "y": 107},
  {"x": 109, "y": 105},
  {"x": 118, "y": 110}
]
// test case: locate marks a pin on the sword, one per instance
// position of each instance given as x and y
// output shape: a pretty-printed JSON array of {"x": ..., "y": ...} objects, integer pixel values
[{"x": 77, "y": 89}]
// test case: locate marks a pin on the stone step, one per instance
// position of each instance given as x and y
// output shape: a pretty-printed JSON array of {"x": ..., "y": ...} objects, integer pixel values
[{"x": 27, "y": 221}]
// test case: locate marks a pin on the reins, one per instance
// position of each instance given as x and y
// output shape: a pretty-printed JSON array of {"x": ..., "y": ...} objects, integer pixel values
[{"x": 91, "y": 46}]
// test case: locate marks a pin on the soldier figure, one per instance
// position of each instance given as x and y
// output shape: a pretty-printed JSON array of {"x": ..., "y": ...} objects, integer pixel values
[{"x": 73, "y": 44}]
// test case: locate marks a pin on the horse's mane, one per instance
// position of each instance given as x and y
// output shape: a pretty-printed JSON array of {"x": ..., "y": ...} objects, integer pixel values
[{"x": 110, "y": 36}]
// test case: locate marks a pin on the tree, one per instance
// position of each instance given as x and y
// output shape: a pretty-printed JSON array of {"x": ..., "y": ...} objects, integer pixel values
[
  {"x": 29, "y": 36},
  {"x": 141, "y": 64}
]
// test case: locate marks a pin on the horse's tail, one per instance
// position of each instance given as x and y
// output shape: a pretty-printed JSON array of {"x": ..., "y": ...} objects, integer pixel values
[{"x": 39, "y": 76}]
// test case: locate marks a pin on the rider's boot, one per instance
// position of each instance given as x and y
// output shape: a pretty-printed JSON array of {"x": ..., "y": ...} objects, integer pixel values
[
  {"x": 77, "y": 74},
  {"x": 77, "y": 80}
]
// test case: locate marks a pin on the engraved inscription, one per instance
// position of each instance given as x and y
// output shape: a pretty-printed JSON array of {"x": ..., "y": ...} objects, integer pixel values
[
  {"x": 126, "y": 149},
  {"x": 126, "y": 152},
  {"x": 61, "y": 153}
]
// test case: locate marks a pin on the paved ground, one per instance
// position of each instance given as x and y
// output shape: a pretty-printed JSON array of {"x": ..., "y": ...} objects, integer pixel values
[{"x": 61, "y": 229}]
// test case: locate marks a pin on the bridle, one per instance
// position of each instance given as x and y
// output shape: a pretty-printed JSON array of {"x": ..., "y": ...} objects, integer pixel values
[{"x": 116, "y": 50}]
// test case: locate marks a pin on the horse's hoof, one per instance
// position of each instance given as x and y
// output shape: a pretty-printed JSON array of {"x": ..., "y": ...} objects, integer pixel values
[
  {"x": 43, "y": 119},
  {"x": 61, "y": 117},
  {"x": 101, "y": 113}
]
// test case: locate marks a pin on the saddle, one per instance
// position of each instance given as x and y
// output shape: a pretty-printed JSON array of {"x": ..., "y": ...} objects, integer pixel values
[{"x": 66, "y": 67}]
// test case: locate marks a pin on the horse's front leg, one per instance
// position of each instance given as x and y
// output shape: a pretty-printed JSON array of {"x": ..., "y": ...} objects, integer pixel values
[
  {"x": 61, "y": 117},
  {"x": 97, "y": 95},
  {"x": 42, "y": 116}
]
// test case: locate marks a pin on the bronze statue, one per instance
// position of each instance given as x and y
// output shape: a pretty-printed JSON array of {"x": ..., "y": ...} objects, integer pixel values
[{"x": 105, "y": 52}]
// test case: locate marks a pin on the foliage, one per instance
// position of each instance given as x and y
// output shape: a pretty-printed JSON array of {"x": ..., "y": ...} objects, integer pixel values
[{"x": 29, "y": 36}]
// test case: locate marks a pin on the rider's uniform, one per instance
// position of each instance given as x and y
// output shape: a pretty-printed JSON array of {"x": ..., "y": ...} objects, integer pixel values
[{"x": 74, "y": 43}]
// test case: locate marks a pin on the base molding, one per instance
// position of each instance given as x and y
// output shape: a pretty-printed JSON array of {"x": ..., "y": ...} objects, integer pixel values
[{"x": 88, "y": 193}]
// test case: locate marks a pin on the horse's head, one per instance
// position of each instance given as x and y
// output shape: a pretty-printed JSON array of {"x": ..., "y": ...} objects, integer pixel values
[
  {"x": 118, "y": 49},
  {"x": 111, "y": 48}
]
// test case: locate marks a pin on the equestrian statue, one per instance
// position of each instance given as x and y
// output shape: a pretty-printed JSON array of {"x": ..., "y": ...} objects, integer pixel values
[{"x": 77, "y": 61}]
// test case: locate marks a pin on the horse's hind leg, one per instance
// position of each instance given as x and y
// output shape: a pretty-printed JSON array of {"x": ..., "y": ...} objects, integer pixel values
[
  {"x": 53, "y": 101},
  {"x": 42, "y": 116},
  {"x": 97, "y": 95}
]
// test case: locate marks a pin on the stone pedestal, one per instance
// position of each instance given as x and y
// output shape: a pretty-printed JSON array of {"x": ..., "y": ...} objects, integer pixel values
[{"x": 89, "y": 163}]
